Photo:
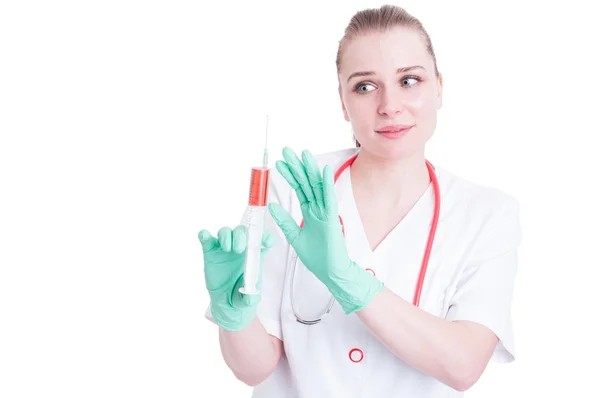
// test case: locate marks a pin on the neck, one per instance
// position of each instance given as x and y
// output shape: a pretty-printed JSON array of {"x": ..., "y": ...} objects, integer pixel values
[{"x": 390, "y": 182}]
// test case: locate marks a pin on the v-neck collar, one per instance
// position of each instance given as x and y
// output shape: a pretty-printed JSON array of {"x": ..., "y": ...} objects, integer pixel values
[{"x": 360, "y": 247}]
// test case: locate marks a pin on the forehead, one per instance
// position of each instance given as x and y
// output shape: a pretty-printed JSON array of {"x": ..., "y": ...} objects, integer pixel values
[{"x": 385, "y": 52}]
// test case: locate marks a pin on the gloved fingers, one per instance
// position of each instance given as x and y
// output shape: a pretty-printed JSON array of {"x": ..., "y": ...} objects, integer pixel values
[
  {"x": 208, "y": 241},
  {"x": 329, "y": 193},
  {"x": 314, "y": 177},
  {"x": 299, "y": 172},
  {"x": 240, "y": 239},
  {"x": 284, "y": 220},
  {"x": 268, "y": 239},
  {"x": 286, "y": 173},
  {"x": 225, "y": 238}
]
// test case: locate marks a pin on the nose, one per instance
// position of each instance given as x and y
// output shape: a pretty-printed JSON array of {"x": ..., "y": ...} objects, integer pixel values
[{"x": 391, "y": 103}]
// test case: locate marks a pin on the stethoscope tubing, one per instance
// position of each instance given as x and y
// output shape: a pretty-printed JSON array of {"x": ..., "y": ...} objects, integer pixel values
[{"x": 426, "y": 256}]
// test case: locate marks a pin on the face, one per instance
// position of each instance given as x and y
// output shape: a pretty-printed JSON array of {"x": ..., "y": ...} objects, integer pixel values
[{"x": 388, "y": 82}]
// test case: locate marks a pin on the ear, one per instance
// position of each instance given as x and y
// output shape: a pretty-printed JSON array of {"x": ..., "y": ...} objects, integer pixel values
[
  {"x": 343, "y": 106},
  {"x": 440, "y": 84}
]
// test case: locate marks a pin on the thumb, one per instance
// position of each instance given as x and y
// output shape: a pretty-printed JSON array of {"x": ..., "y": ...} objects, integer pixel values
[
  {"x": 208, "y": 241},
  {"x": 268, "y": 239},
  {"x": 240, "y": 300},
  {"x": 250, "y": 300},
  {"x": 284, "y": 220}
]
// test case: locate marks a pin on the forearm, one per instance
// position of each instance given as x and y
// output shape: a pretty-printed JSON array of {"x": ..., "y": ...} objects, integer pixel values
[
  {"x": 251, "y": 353},
  {"x": 439, "y": 348}
]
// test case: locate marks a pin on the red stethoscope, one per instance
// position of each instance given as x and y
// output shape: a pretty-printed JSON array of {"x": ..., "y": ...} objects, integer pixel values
[{"x": 427, "y": 254}]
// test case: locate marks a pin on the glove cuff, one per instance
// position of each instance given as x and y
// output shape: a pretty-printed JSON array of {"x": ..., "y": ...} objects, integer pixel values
[
  {"x": 232, "y": 319},
  {"x": 355, "y": 289}
]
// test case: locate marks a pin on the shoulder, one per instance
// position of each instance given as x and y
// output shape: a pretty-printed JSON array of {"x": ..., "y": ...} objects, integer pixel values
[
  {"x": 477, "y": 196},
  {"x": 478, "y": 206}
]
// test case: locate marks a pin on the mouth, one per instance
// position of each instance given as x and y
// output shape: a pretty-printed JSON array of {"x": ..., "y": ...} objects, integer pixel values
[{"x": 394, "y": 131}]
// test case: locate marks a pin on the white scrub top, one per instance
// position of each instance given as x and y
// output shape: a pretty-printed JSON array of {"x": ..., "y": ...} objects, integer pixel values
[{"x": 469, "y": 277}]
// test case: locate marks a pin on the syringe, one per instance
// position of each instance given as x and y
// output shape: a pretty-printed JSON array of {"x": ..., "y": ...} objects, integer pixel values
[{"x": 255, "y": 221}]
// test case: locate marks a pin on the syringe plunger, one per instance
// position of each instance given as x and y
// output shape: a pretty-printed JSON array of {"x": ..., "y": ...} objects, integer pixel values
[{"x": 255, "y": 224}]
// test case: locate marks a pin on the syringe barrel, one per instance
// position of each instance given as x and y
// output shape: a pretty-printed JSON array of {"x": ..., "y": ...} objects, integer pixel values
[
  {"x": 255, "y": 224},
  {"x": 259, "y": 186}
]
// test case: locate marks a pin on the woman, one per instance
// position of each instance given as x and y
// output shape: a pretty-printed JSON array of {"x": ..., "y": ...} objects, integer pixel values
[{"x": 382, "y": 336}]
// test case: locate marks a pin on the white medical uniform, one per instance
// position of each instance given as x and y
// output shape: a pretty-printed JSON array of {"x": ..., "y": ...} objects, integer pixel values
[{"x": 469, "y": 277}]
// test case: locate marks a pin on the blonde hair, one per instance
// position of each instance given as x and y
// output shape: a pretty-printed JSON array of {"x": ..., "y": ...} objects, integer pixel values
[{"x": 380, "y": 20}]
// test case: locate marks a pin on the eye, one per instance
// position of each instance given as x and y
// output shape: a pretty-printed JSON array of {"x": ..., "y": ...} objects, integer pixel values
[
  {"x": 406, "y": 81},
  {"x": 362, "y": 88}
]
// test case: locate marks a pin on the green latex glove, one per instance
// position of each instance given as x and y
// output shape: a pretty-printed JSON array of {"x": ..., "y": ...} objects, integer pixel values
[
  {"x": 320, "y": 243},
  {"x": 224, "y": 259}
]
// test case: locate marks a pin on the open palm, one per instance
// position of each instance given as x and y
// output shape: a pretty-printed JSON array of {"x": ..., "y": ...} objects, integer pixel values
[{"x": 319, "y": 243}]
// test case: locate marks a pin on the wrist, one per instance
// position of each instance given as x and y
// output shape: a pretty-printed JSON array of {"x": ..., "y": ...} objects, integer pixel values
[
  {"x": 354, "y": 287},
  {"x": 233, "y": 312},
  {"x": 232, "y": 319}
]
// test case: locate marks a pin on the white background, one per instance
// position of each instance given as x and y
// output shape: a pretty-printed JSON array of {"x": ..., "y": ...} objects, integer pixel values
[{"x": 126, "y": 127}]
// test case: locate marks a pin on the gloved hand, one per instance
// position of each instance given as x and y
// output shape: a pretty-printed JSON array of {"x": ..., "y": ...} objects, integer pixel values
[
  {"x": 320, "y": 243},
  {"x": 224, "y": 275}
]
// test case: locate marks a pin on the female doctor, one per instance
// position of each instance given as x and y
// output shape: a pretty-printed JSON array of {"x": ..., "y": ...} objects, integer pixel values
[{"x": 382, "y": 274}]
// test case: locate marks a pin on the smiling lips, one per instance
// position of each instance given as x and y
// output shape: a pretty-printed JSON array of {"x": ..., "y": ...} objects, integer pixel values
[{"x": 394, "y": 131}]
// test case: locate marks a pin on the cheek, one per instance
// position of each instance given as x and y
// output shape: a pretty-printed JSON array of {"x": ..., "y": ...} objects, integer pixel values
[
  {"x": 423, "y": 109},
  {"x": 356, "y": 107},
  {"x": 361, "y": 112},
  {"x": 421, "y": 102}
]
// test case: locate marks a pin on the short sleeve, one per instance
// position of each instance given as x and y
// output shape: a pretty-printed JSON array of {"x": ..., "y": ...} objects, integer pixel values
[
  {"x": 485, "y": 289},
  {"x": 274, "y": 265}
]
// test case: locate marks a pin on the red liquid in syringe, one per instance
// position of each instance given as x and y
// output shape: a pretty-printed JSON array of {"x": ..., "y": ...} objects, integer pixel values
[{"x": 259, "y": 185}]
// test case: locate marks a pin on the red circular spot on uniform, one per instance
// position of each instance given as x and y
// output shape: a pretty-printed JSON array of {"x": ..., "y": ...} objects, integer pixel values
[
  {"x": 370, "y": 270},
  {"x": 356, "y": 350}
]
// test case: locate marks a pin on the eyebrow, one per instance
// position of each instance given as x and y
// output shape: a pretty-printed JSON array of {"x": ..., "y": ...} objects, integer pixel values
[{"x": 399, "y": 70}]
